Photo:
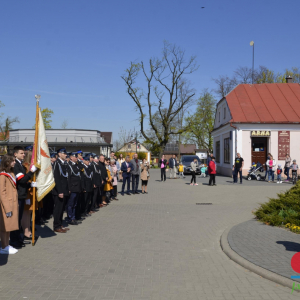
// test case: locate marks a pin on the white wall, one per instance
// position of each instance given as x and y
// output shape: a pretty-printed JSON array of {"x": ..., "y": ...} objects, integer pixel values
[
  {"x": 86, "y": 136},
  {"x": 223, "y": 110}
]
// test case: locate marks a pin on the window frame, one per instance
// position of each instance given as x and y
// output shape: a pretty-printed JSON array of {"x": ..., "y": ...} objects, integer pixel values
[
  {"x": 218, "y": 150},
  {"x": 226, "y": 150}
]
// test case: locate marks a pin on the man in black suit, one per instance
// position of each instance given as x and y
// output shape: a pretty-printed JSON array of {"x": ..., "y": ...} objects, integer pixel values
[
  {"x": 97, "y": 182},
  {"x": 126, "y": 167},
  {"x": 104, "y": 178},
  {"x": 23, "y": 185},
  {"x": 61, "y": 190},
  {"x": 74, "y": 182},
  {"x": 87, "y": 185}
]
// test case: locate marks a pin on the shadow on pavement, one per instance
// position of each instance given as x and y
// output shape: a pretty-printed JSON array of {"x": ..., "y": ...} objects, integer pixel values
[
  {"x": 3, "y": 259},
  {"x": 290, "y": 246},
  {"x": 45, "y": 232}
]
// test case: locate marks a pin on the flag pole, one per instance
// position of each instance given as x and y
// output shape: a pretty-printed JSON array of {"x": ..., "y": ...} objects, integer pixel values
[{"x": 37, "y": 97}]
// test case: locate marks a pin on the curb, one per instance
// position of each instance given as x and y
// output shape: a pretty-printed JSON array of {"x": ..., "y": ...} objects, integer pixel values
[{"x": 250, "y": 266}]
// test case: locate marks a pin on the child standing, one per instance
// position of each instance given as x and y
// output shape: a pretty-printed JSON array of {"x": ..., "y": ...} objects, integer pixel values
[
  {"x": 180, "y": 170},
  {"x": 279, "y": 171}
]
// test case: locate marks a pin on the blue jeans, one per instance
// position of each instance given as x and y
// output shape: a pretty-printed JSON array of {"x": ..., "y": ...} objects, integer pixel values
[
  {"x": 287, "y": 172},
  {"x": 271, "y": 173},
  {"x": 237, "y": 172},
  {"x": 135, "y": 183},
  {"x": 267, "y": 172},
  {"x": 279, "y": 177}
]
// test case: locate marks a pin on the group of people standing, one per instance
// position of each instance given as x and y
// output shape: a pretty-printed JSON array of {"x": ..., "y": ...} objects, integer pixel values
[
  {"x": 271, "y": 168},
  {"x": 133, "y": 170},
  {"x": 83, "y": 184}
]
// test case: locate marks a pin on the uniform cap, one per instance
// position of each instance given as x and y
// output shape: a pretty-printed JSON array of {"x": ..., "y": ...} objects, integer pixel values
[
  {"x": 74, "y": 154},
  {"x": 79, "y": 151},
  {"x": 62, "y": 150},
  {"x": 52, "y": 155},
  {"x": 29, "y": 148}
]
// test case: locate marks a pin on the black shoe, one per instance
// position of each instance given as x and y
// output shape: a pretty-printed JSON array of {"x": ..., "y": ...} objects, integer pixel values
[
  {"x": 26, "y": 238},
  {"x": 17, "y": 245},
  {"x": 40, "y": 223},
  {"x": 214, "y": 184},
  {"x": 73, "y": 222},
  {"x": 137, "y": 193},
  {"x": 26, "y": 242},
  {"x": 128, "y": 194},
  {"x": 241, "y": 183},
  {"x": 87, "y": 215},
  {"x": 81, "y": 219},
  {"x": 122, "y": 194},
  {"x": 146, "y": 192}
]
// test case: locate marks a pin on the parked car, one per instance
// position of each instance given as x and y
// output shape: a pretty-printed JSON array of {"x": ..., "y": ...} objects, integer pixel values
[{"x": 186, "y": 161}]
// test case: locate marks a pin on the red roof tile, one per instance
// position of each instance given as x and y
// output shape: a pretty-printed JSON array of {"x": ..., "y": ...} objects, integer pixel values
[{"x": 265, "y": 103}]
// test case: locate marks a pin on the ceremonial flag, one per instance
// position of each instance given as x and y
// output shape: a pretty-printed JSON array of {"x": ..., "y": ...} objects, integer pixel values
[{"x": 44, "y": 178}]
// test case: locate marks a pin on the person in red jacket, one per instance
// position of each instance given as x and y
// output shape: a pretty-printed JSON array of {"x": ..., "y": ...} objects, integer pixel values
[{"x": 212, "y": 171}]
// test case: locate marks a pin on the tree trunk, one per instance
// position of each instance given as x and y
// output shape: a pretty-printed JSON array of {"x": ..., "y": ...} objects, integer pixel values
[{"x": 162, "y": 149}]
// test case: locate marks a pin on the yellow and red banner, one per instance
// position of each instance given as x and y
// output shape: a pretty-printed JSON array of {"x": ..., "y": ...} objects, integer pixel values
[{"x": 44, "y": 178}]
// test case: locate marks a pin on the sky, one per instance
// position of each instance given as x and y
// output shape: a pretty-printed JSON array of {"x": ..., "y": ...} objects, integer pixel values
[{"x": 73, "y": 53}]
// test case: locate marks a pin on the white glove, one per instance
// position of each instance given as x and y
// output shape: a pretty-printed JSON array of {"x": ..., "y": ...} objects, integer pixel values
[
  {"x": 27, "y": 201},
  {"x": 9, "y": 214},
  {"x": 33, "y": 169},
  {"x": 33, "y": 184}
]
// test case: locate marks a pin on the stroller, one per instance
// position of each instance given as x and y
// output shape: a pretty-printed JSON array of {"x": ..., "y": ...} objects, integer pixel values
[{"x": 254, "y": 170}]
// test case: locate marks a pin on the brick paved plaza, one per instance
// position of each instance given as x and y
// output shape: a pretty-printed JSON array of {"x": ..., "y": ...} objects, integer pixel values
[{"x": 156, "y": 246}]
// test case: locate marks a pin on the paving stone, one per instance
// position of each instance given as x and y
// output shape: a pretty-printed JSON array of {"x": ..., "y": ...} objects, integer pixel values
[{"x": 155, "y": 246}]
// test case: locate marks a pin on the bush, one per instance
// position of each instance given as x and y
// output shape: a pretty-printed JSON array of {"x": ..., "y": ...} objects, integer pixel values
[
  {"x": 282, "y": 210},
  {"x": 142, "y": 155}
]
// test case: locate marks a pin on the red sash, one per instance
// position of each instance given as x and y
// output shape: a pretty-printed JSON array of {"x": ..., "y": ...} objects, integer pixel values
[{"x": 9, "y": 176}]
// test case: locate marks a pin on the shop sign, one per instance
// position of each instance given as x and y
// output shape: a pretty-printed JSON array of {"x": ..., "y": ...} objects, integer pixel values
[
  {"x": 261, "y": 133},
  {"x": 283, "y": 144},
  {"x": 202, "y": 155}
]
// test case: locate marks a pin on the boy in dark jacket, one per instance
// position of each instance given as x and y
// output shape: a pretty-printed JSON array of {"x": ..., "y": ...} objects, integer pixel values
[{"x": 23, "y": 185}]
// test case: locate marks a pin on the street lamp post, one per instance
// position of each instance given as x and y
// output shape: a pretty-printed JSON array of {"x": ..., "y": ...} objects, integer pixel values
[{"x": 252, "y": 44}]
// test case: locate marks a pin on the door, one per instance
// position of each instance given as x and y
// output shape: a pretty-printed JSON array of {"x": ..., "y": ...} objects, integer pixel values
[{"x": 259, "y": 149}]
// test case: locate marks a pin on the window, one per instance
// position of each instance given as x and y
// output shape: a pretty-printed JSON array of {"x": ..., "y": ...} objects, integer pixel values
[
  {"x": 226, "y": 151},
  {"x": 224, "y": 112},
  {"x": 219, "y": 116},
  {"x": 129, "y": 146},
  {"x": 218, "y": 151}
]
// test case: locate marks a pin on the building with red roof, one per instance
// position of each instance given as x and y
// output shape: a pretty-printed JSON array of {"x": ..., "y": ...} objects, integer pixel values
[{"x": 257, "y": 119}]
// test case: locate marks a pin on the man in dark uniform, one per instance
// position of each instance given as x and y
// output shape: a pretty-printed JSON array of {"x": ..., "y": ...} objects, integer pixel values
[
  {"x": 61, "y": 189},
  {"x": 97, "y": 182},
  {"x": 80, "y": 207},
  {"x": 87, "y": 185},
  {"x": 23, "y": 185},
  {"x": 104, "y": 178},
  {"x": 74, "y": 182},
  {"x": 80, "y": 155}
]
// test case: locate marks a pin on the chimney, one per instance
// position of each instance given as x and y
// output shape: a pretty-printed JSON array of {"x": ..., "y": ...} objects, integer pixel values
[{"x": 289, "y": 79}]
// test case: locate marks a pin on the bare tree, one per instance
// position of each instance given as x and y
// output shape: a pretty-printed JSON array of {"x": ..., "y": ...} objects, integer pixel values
[
  {"x": 243, "y": 75},
  {"x": 6, "y": 126},
  {"x": 224, "y": 85},
  {"x": 164, "y": 78},
  {"x": 64, "y": 124},
  {"x": 124, "y": 136}
]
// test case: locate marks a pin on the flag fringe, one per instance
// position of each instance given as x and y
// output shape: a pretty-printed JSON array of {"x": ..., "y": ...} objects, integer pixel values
[{"x": 49, "y": 189}]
